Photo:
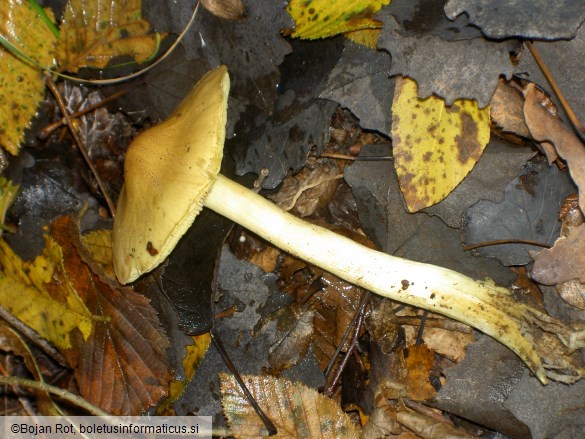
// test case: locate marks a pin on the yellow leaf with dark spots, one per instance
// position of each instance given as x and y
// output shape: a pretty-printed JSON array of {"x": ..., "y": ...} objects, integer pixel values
[
  {"x": 323, "y": 18},
  {"x": 435, "y": 145},
  {"x": 22, "y": 84},
  {"x": 26, "y": 292},
  {"x": 94, "y": 32}
]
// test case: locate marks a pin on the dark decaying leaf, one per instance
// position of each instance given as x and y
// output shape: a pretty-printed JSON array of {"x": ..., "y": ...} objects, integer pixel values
[
  {"x": 360, "y": 82},
  {"x": 122, "y": 367},
  {"x": 296, "y": 410},
  {"x": 187, "y": 278},
  {"x": 477, "y": 388},
  {"x": 252, "y": 47},
  {"x": 300, "y": 120},
  {"x": 450, "y": 69},
  {"x": 245, "y": 295},
  {"x": 281, "y": 147},
  {"x": 529, "y": 211},
  {"x": 531, "y": 19},
  {"x": 426, "y": 17},
  {"x": 554, "y": 411}
]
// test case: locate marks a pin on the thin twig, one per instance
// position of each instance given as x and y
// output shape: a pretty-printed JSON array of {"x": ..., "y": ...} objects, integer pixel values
[
  {"x": 328, "y": 391},
  {"x": 504, "y": 241},
  {"x": 232, "y": 368},
  {"x": 62, "y": 393},
  {"x": 46, "y": 132},
  {"x": 369, "y": 158},
  {"x": 572, "y": 117},
  {"x": 81, "y": 146},
  {"x": 33, "y": 336}
]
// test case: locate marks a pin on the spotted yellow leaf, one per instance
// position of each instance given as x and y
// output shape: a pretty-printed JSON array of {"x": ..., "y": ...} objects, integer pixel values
[
  {"x": 435, "y": 145},
  {"x": 94, "y": 32},
  {"x": 324, "y": 18},
  {"x": 21, "y": 83},
  {"x": 27, "y": 292}
]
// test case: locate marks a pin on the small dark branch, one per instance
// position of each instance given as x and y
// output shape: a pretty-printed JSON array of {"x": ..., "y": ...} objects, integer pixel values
[
  {"x": 360, "y": 313},
  {"x": 505, "y": 241},
  {"x": 232, "y": 368},
  {"x": 80, "y": 145}
]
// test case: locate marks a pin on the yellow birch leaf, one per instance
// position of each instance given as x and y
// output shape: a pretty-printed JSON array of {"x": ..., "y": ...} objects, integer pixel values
[
  {"x": 296, "y": 410},
  {"x": 22, "y": 84},
  {"x": 24, "y": 292},
  {"x": 95, "y": 31},
  {"x": 324, "y": 18},
  {"x": 435, "y": 145}
]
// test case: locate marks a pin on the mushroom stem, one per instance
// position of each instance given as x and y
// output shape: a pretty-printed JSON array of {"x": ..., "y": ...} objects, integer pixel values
[{"x": 481, "y": 304}]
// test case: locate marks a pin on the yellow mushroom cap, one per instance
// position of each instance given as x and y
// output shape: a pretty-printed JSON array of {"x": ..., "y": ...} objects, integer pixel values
[{"x": 168, "y": 171}]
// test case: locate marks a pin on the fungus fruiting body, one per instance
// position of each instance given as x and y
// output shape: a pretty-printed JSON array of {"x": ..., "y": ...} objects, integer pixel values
[{"x": 172, "y": 170}]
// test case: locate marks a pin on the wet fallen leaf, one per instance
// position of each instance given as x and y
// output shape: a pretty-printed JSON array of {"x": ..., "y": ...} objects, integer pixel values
[
  {"x": 22, "y": 84},
  {"x": 93, "y": 33},
  {"x": 296, "y": 410},
  {"x": 529, "y": 211},
  {"x": 28, "y": 290},
  {"x": 435, "y": 146},
  {"x": 545, "y": 127},
  {"x": 322, "y": 18},
  {"x": 122, "y": 367}
]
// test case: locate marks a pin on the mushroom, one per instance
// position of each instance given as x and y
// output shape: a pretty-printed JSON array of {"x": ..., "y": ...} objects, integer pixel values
[{"x": 172, "y": 170}]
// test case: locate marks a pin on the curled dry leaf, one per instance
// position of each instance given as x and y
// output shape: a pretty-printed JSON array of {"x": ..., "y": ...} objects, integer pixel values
[
  {"x": 228, "y": 9},
  {"x": 296, "y": 410},
  {"x": 545, "y": 127}
]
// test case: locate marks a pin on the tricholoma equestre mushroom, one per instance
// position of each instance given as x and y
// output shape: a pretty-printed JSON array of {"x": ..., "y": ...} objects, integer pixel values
[{"x": 172, "y": 171}]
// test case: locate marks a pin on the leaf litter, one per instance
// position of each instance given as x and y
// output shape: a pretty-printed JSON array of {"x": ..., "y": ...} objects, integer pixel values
[{"x": 419, "y": 237}]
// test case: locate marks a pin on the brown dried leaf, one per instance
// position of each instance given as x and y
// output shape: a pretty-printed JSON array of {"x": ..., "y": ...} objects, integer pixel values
[
  {"x": 507, "y": 109},
  {"x": 228, "y": 9},
  {"x": 296, "y": 410},
  {"x": 309, "y": 189},
  {"x": 122, "y": 367},
  {"x": 545, "y": 127},
  {"x": 428, "y": 427},
  {"x": 419, "y": 363},
  {"x": 564, "y": 261}
]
